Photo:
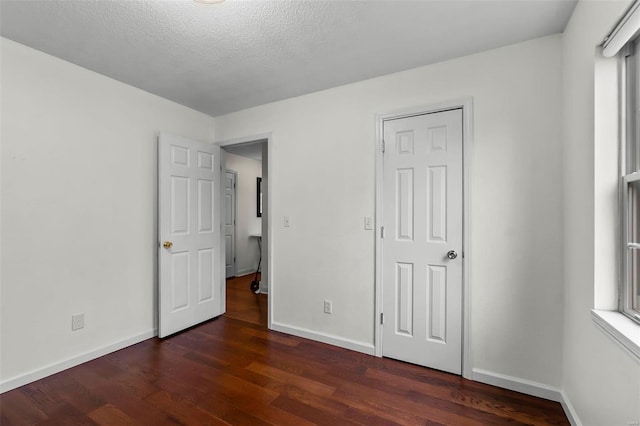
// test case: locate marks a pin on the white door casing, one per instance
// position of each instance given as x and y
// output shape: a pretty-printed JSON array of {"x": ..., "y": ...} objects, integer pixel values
[
  {"x": 190, "y": 261},
  {"x": 230, "y": 178},
  {"x": 422, "y": 215}
]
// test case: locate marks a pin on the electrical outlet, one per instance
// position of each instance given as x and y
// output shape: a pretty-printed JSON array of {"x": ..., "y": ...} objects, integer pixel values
[
  {"x": 368, "y": 223},
  {"x": 286, "y": 222},
  {"x": 77, "y": 322},
  {"x": 328, "y": 307}
]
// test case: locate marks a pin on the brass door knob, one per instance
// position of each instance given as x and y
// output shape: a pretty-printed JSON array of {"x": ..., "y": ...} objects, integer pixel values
[{"x": 167, "y": 244}]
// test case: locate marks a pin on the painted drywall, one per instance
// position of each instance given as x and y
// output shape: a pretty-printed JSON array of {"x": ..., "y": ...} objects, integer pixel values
[
  {"x": 248, "y": 223},
  {"x": 78, "y": 207},
  {"x": 322, "y": 177},
  {"x": 600, "y": 380}
]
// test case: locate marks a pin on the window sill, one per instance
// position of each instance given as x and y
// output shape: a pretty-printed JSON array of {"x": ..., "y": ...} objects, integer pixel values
[{"x": 621, "y": 329}]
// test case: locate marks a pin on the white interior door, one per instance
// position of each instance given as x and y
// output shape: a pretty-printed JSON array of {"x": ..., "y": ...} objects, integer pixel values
[
  {"x": 230, "y": 223},
  {"x": 422, "y": 244},
  {"x": 190, "y": 259}
]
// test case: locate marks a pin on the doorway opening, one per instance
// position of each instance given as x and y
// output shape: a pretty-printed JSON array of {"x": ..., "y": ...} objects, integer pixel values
[{"x": 248, "y": 288}]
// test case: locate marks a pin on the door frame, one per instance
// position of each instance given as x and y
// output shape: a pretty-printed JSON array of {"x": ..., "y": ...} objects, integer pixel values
[
  {"x": 466, "y": 104},
  {"x": 235, "y": 217},
  {"x": 268, "y": 241}
]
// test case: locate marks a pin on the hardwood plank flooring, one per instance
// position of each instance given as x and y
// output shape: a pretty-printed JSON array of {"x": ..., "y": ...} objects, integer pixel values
[
  {"x": 244, "y": 305},
  {"x": 233, "y": 371}
]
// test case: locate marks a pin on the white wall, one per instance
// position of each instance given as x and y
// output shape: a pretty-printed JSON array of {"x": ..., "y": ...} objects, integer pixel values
[
  {"x": 78, "y": 208},
  {"x": 248, "y": 223},
  {"x": 601, "y": 381},
  {"x": 322, "y": 177}
]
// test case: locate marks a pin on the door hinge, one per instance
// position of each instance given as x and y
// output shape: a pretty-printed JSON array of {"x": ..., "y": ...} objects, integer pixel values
[
  {"x": 382, "y": 232},
  {"x": 382, "y": 146},
  {"x": 381, "y": 318}
]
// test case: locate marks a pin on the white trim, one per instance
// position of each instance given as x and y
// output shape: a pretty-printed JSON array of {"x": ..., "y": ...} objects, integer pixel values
[
  {"x": 329, "y": 339},
  {"x": 268, "y": 138},
  {"x": 624, "y": 31},
  {"x": 569, "y": 411},
  {"x": 517, "y": 384},
  {"x": 244, "y": 272},
  {"x": 467, "y": 175},
  {"x": 41, "y": 373},
  {"x": 467, "y": 161},
  {"x": 631, "y": 177},
  {"x": 379, "y": 164},
  {"x": 620, "y": 329}
]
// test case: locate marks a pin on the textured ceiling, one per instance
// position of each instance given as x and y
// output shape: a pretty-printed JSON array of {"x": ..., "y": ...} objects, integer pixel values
[{"x": 225, "y": 57}]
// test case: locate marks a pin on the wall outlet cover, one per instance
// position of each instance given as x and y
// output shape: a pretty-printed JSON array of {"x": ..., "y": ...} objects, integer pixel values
[{"x": 77, "y": 322}]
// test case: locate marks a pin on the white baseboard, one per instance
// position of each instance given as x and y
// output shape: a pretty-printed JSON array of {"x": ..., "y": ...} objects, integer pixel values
[
  {"x": 569, "y": 410},
  {"x": 528, "y": 387},
  {"x": 517, "y": 384},
  {"x": 330, "y": 339},
  {"x": 41, "y": 373},
  {"x": 243, "y": 272}
]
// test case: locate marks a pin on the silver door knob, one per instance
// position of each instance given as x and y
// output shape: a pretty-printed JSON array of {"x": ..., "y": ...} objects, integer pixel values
[{"x": 451, "y": 254}]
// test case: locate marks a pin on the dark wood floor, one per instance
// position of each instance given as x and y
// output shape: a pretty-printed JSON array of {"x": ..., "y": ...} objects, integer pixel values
[
  {"x": 244, "y": 305},
  {"x": 232, "y": 370}
]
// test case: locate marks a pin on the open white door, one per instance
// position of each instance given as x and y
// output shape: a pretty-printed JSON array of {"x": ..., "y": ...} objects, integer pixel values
[
  {"x": 230, "y": 213},
  {"x": 422, "y": 245},
  {"x": 190, "y": 258}
]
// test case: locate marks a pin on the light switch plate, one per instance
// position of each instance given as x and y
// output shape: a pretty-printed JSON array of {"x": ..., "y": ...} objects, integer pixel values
[
  {"x": 286, "y": 222},
  {"x": 368, "y": 223}
]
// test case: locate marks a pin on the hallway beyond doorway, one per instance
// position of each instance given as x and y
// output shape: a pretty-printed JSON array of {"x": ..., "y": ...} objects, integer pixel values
[{"x": 243, "y": 304}]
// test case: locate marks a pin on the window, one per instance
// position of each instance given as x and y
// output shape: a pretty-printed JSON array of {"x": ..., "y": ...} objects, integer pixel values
[
  {"x": 630, "y": 184},
  {"x": 622, "y": 324}
]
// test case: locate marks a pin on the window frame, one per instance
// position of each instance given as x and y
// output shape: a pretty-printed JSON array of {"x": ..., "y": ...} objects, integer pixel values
[{"x": 629, "y": 168}]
